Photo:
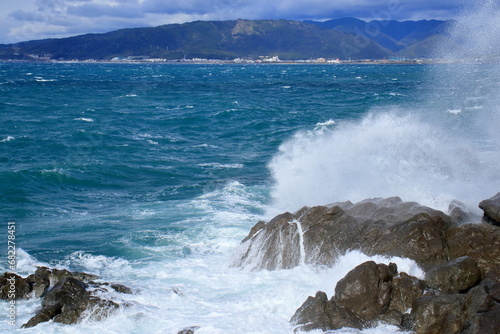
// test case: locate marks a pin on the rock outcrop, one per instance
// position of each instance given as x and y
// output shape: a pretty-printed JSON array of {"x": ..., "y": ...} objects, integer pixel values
[
  {"x": 391, "y": 227},
  {"x": 373, "y": 293},
  {"x": 67, "y": 296},
  {"x": 491, "y": 209},
  {"x": 461, "y": 290}
]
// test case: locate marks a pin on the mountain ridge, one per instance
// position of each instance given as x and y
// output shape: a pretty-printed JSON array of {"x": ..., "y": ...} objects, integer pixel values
[{"x": 338, "y": 38}]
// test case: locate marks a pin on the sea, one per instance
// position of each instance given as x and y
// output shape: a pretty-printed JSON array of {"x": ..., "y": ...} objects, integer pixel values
[{"x": 150, "y": 175}]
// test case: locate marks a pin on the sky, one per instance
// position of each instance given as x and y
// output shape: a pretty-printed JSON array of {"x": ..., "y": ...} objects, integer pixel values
[{"x": 22, "y": 20}]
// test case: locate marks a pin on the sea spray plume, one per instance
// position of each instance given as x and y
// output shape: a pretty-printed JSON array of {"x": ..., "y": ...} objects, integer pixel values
[
  {"x": 444, "y": 150},
  {"x": 382, "y": 155}
]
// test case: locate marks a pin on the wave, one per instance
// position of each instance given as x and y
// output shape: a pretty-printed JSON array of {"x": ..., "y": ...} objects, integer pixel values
[
  {"x": 84, "y": 119},
  {"x": 9, "y": 138},
  {"x": 385, "y": 154}
]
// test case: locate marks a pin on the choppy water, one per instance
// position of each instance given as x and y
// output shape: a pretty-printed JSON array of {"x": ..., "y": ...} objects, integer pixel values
[{"x": 150, "y": 175}]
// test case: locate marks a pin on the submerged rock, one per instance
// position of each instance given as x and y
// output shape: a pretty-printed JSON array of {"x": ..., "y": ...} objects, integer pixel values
[{"x": 491, "y": 209}]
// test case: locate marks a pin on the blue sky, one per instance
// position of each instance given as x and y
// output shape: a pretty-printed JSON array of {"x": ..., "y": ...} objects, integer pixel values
[{"x": 22, "y": 20}]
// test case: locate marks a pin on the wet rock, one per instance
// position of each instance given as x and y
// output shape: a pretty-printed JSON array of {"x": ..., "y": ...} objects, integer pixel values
[
  {"x": 67, "y": 301},
  {"x": 13, "y": 287},
  {"x": 438, "y": 314},
  {"x": 458, "y": 212},
  {"x": 320, "y": 313},
  {"x": 39, "y": 281},
  {"x": 456, "y": 276},
  {"x": 67, "y": 296},
  {"x": 483, "y": 308},
  {"x": 491, "y": 209},
  {"x": 368, "y": 294},
  {"x": 319, "y": 235},
  {"x": 189, "y": 330},
  {"x": 365, "y": 290},
  {"x": 481, "y": 242}
]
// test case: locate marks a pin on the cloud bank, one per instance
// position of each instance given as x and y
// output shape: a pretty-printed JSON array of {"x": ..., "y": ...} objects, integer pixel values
[{"x": 37, "y": 19}]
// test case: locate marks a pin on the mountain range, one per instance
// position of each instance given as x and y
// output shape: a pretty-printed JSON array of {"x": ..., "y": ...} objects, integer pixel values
[{"x": 346, "y": 38}]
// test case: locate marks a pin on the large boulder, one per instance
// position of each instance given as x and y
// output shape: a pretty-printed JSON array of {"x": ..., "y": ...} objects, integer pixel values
[
  {"x": 319, "y": 235},
  {"x": 491, "y": 209},
  {"x": 368, "y": 294}
]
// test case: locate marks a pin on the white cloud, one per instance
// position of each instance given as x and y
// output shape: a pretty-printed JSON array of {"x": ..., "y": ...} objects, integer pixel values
[{"x": 35, "y": 19}]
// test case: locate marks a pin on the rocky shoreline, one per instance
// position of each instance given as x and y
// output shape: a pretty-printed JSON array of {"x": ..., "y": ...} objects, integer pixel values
[
  {"x": 461, "y": 289},
  {"x": 459, "y": 294}
]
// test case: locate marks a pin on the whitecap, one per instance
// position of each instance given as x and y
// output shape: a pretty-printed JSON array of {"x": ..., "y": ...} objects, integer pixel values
[
  {"x": 219, "y": 165},
  {"x": 454, "y": 111},
  {"x": 9, "y": 138},
  {"x": 83, "y": 119}
]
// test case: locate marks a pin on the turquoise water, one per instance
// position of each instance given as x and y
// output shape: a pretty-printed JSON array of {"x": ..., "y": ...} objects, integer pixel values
[{"x": 150, "y": 175}]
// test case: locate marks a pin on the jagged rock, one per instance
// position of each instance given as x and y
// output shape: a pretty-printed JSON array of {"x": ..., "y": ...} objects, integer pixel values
[
  {"x": 491, "y": 209},
  {"x": 366, "y": 295},
  {"x": 40, "y": 281},
  {"x": 481, "y": 242},
  {"x": 320, "y": 234},
  {"x": 67, "y": 301},
  {"x": 319, "y": 312},
  {"x": 456, "y": 276},
  {"x": 13, "y": 287}
]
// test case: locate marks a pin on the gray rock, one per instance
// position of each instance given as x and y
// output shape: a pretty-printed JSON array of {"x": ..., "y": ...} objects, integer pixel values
[{"x": 491, "y": 209}]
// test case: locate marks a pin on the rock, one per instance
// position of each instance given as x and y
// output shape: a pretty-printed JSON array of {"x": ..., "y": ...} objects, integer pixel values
[
  {"x": 40, "y": 281},
  {"x": 189, "y": 330},
  {"x": 477, "y": 312},
  {"x": 13, "y": 287},
  {"x": 491, "y": 209},
  {"x": 67, "y": 301},
  {"x": 458, "y": 212},
  {"x": 456, "y": 276},
  {"x": 405, "y": 289},
  {"x": 365, "y": 290},
  {"x": 319, "y": 235},
  {"x": 481, "y": 242},
  {"x": 368, "y": 294},
  {"x": 483, "y": 308},
  {"x": 319, "y": 313},
  {"x": 438, "y": 314}
]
